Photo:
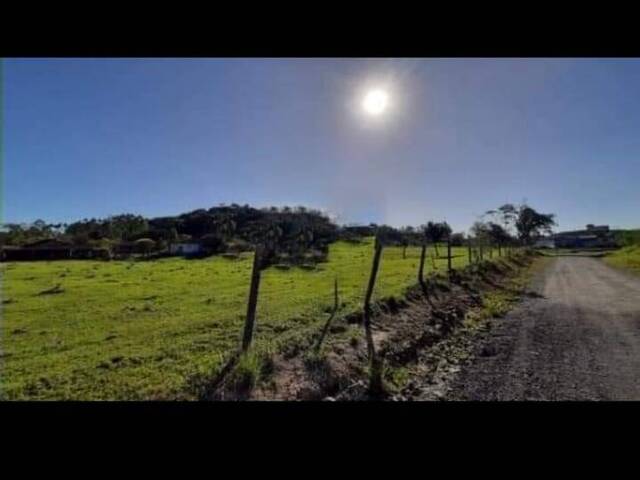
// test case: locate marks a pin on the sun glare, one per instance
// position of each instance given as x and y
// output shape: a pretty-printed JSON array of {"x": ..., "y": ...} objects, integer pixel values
[{"x": 375, "y": 102}]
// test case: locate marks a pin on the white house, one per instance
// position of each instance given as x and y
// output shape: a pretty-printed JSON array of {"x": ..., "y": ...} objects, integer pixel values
[
  {"x": 189, "y": 248},
  {"x": 545, "y": 243}
]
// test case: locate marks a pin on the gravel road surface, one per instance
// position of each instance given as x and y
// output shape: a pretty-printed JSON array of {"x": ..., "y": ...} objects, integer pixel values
[{"x": 577, "y": 339}]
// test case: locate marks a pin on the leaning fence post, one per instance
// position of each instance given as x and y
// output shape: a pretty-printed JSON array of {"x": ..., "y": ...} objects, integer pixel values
[
  {"x": 375, "y": 373},
  {"x": 333, "y": 314},
  {"x": 253, "y": 299}
]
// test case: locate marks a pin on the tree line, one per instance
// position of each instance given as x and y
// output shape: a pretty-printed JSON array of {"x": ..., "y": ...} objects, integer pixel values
[{"x": 288, "y": 234}]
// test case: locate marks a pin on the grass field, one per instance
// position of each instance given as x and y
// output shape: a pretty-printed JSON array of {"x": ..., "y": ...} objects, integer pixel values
[
  {"x": 628, "y": 238},
  {"x": 141, "y": 330},
  {"x": 627, "y": 257}
]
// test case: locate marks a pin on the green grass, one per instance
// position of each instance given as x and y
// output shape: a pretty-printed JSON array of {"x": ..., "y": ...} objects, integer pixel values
[
  {"x": 628, "y": 238},
  {"x": 627, "y": 258},
  {"x": 141, "y": 330}
]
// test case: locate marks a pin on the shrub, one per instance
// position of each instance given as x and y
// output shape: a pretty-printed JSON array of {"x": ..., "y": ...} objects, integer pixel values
[
  {"x": 212, "y": 243},
  {"x": 145, "y": 245},
  {"x": 237, "y": 245}
]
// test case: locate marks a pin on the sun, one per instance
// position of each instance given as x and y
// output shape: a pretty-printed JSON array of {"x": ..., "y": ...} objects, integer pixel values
[{"x": 375, "y": 101}]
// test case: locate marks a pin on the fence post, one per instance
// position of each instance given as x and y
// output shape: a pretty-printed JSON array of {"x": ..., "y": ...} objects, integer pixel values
[
  {"x": 253, "y": 299},
  {"x": 375, "y": 373},
  {"x": 449, "y": 269},
  {"x": 423, "y": 254},
  {"x": 333, "y": 314}
]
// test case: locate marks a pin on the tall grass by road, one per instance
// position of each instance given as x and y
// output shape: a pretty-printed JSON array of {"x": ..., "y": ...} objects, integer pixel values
[{"x": 627, "y": 258}]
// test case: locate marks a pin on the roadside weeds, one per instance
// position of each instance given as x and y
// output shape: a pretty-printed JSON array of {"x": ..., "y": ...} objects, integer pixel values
[{"x": 421, "y": 339}]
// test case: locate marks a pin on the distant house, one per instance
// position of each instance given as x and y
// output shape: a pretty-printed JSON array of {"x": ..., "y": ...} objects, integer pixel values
[
  {"x": 594, "y": 236},
  {"x": 546, "y": 242},
  {"x": 185, "y": 248}
]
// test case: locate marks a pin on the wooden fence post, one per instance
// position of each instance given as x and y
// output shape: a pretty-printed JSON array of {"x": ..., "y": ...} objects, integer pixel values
[
  {"x": 449, "y": 269},
  {"x": 375, "y": 366},
  {"x": 423, "y": 254},
  {"x": 333, "y": 314},
  {"x": 253, "y": 299}
]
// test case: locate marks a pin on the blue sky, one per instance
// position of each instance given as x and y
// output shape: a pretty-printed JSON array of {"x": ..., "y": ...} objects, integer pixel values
[{"x": 94, "y": 137}]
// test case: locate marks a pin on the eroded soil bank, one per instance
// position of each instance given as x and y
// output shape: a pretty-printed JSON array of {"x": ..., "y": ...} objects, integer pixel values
[{"x": 422, "y": 338}]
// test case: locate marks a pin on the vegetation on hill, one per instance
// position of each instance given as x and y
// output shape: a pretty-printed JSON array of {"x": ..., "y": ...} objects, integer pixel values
[{"x": 297, "y": 230}]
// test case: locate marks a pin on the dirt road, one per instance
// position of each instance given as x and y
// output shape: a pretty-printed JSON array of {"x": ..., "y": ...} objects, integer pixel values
[{"x": 579, "y": 339}]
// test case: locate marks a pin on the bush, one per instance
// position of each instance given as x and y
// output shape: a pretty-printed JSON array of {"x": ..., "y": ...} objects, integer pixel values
[
  {"x": 145, "y": 245},
  {"x": 237, "y": 245},
  {"x": 212, "y": 243},
  {"x": 103, "y": 253}
]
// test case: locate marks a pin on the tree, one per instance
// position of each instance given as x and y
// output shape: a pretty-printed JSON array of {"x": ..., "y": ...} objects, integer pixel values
[
  {"x": 225, "y": 227},
  {"x": 437, "y": 232},
  {"x": 212, "y": 242},
  {"x": 505, "y": 215},
  {"x": 530, "y": 223},
  {"x": 40, "y": 225},
  {"x": 490, "y": 233},
  {"x": 125, "y": 226},
  {"x": 526, "y": 221},
  {"x": 457, "y": 239},
  {"x": 15, "y": 234},
  {"x": 498, "y": 236},
  {"x": 302, "y": 238},
  {"x": 508, "y": 214},
  {"x": 145, "y": 246}
]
